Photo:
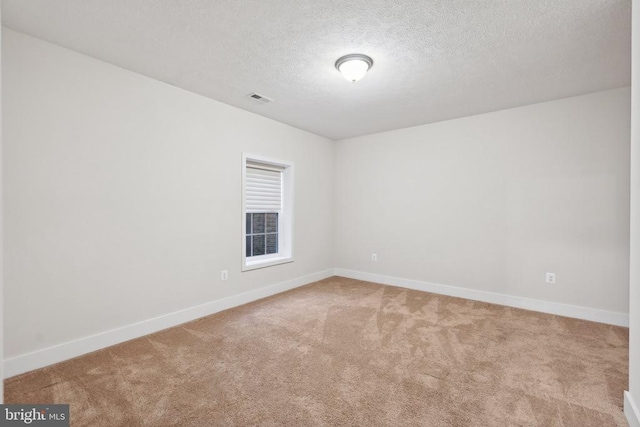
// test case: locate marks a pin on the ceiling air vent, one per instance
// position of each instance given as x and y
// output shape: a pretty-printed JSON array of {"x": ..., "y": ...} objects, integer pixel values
[{"x": 259, "y": 98}]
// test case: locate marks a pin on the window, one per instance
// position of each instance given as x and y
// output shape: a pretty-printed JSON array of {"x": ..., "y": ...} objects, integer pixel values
[
  {"x": 262, "y": 233},
  {"x": 267, "y": 223}
]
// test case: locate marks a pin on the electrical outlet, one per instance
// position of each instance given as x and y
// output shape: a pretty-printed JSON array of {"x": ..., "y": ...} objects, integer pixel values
[
  {"x": 224, "y": 275},
  {"x": 551, "y": 278},
  {"x": 374, "y": 257}
]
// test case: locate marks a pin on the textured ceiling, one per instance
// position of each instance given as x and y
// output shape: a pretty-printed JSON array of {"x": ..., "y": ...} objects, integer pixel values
[{"x": 433, "y": 59}]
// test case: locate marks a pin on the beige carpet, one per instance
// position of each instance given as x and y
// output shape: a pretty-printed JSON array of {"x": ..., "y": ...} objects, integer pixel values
[{"x": 345, "y": 352}]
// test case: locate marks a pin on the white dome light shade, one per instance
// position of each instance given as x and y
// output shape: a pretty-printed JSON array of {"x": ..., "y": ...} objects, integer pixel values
[{"x": 354, "y": 67}]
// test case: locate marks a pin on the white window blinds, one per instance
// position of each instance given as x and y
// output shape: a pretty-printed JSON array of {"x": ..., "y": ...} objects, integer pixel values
[{"x": 263, "y": 188}]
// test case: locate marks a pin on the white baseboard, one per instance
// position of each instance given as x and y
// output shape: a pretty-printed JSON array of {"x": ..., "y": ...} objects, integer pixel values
[
  {"x": 48, "y": 356},
  {"x": 631, "y": 410},
  {"x": 585, "y": 313}
]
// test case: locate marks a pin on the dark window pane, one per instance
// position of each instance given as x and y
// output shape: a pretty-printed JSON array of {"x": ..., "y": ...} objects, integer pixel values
[
  {"x": 248, "y": 223},
  {"x": 258, "y": 223},
  {"x": 272, "y": 243},
  {"x": 272, "y": 223},
  {"x": 248, "y": 253},
  {"x": 258, "y": 243}
]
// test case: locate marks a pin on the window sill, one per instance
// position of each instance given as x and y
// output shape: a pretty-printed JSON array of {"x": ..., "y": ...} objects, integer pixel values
[{"x": 254, "y": 265}]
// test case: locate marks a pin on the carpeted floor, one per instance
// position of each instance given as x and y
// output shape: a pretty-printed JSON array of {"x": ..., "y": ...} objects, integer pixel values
[{"x": 345, "y": 352}]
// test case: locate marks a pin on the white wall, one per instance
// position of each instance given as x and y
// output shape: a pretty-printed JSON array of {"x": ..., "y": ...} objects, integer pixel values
[
  {"x": 634, "y": 292},
  {"x": 1, "y": 254},
  {"x": 123, "y": 196},
  {"x": 493, "y": 202}
]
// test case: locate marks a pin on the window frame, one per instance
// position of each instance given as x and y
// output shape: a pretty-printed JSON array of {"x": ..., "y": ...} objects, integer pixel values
[{"x": 285, "y": 216}]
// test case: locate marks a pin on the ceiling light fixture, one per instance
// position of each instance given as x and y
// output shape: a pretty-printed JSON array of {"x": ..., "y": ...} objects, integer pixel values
[{"x": 353, "y": 67}]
